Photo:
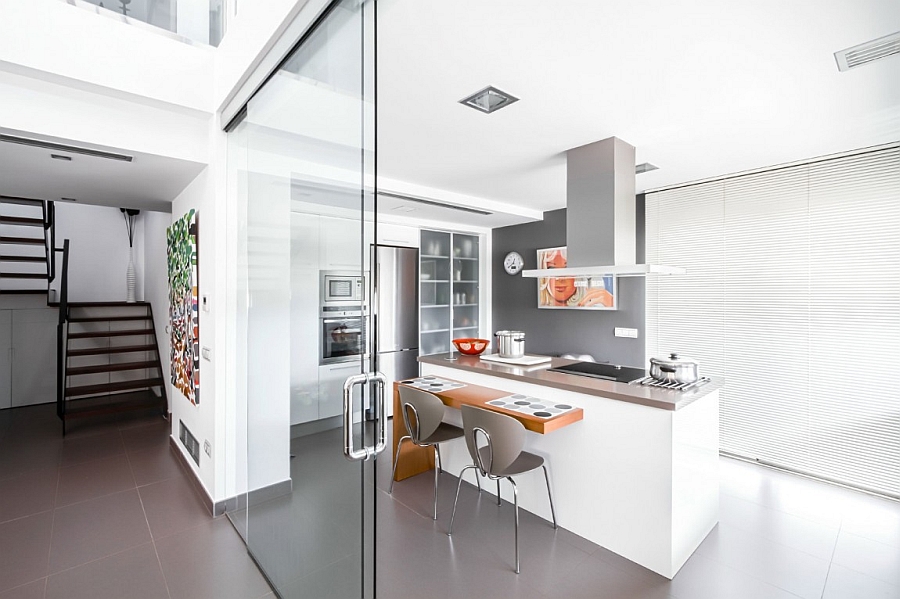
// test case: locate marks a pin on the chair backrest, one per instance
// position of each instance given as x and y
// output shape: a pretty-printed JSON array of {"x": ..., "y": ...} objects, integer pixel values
[
  {"x": 505, "y": 438},
  {"x": 422, "y": 412}
]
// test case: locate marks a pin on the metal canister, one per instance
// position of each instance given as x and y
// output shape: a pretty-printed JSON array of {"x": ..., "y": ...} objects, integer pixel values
[{"x": 510, "y": 343}]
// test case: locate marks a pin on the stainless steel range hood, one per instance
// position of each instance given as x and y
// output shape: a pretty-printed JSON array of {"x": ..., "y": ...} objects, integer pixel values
[{"x": 600, "y": 216}]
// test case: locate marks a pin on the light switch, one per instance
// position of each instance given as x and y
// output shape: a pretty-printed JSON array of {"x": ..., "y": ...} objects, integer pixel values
[
  {"x": 625, "y": 332},
  {"x": 205, "y": 352},
  {"x": 205, "y": 301}
]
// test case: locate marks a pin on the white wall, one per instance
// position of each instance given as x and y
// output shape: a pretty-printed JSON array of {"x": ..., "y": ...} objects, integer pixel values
[
  {"x": 98, "y": 252},
  {"x": 54, "y": 39}
]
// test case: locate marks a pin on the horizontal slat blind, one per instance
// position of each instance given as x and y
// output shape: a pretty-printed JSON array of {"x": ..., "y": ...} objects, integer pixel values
[{"x": 793, "y": 295}]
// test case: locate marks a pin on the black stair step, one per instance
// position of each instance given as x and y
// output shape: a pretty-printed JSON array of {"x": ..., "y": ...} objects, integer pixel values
[
  {"x": 73, "y": 371},
  {"x": 23, "y": 258},
  {"x": 109, "y": 318},
  {"x": 94, "y": 334},
  {"x": 20, "y": 201},
  {"x": 21, "y": 220},
  {"x": 119, "y": 403},
  {"x": 23, "y": 275},
  {"x": 23, "y": 291},
  {"x": 121, "y": 349},
  {"x": 22, "y": 240},
  {"x": 111, "y": 387},
  {"x": 105, "y": 304}
]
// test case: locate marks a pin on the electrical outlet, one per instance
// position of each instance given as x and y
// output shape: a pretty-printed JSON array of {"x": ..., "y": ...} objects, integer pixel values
[
  {"x": 207, "y": 448},
  {"x": 205, "y": 302},
  {"x": 205, "y": 352},
  {"x": 624, "y": 332}
]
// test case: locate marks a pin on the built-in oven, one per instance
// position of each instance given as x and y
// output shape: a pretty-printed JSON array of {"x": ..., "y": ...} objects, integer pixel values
[
  {"x": 341, "y": 289},
  {"x": 342, "y": 336}
]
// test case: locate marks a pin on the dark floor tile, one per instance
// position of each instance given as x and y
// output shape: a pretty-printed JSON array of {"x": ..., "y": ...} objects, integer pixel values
[
  {"x": 33, "y": 590},
  {"x": 150, "y": 435},
  {"x": 209, "y": 561},
  {"x": 18, "y": 456},
  {"x": 134, "y": 573},
  {"x": 88, "y": 480},
  {"x": 29, "y": 493},
  {"x": 172, "y": 506},
  {"x": 97, "y": 528},
  {"x": 596, "y": 578},
  {"x": 154, "y": 465},
  {"x": 93, "y": 447},
  {"x": 844, "y": 583},
  {"x": 330, "y": 582},
  {"x": 25, "y": 543}
]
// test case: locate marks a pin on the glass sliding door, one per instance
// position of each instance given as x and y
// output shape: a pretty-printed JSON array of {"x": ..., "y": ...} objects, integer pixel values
[{"x": 302, "y": 159}]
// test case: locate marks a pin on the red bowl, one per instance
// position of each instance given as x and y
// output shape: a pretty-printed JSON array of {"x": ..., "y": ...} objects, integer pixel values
[{"x": 470, "y": 345}]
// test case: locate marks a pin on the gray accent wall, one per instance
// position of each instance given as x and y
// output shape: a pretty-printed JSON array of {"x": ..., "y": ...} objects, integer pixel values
[{"x": 555, "y": 332}]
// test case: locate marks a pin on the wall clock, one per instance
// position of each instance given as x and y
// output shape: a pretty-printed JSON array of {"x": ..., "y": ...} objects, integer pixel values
[{"x": 513, "y": 263}]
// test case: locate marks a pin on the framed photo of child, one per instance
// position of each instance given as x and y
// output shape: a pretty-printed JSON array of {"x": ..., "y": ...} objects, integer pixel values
[{"x": 566, "y": 293}]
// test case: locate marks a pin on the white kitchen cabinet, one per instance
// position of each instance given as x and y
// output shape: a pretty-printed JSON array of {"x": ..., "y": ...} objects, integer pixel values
[
  {"x": 5, "y": 359},
  {"x": 331, "y": 386},
  {"x": 305, "y": 241},
  {"x": 339, "y": 244},
  {"x": 34, "y": 356},
  {"x": 402, "y": 235},
  {"x": 304, "y": 317}
]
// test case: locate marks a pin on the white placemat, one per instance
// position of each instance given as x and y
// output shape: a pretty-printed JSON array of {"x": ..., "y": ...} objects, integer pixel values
[
  {"x": 533, "y": 406},
  {"x": 433, "y": 384},
  {"x": 525, "y": 360}
]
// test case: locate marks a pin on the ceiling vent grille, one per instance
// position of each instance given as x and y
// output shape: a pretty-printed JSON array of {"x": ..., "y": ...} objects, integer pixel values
[
  {"x": 868, "y": 52},
  {"x": 47, "y": 145},
  {"x": 489, "y": 99}
]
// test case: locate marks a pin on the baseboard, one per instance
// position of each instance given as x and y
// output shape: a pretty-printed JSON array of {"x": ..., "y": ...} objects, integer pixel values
[{"x": 231, "y": 504}]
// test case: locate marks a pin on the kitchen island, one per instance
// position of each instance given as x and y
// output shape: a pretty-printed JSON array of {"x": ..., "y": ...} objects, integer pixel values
[{"x": 637, "y": 475}]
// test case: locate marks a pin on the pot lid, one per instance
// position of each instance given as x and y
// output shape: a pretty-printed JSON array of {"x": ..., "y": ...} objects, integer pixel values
[
  {"x": 508, "y": 333},
  {"x": 673, "y": 360}
]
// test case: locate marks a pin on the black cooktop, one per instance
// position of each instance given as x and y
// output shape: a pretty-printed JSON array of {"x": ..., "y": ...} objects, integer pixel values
[{"x": 609, "y": 372}]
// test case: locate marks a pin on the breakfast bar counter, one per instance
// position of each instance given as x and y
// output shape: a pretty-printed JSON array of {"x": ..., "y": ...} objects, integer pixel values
[{"x": 637, "y": 474}]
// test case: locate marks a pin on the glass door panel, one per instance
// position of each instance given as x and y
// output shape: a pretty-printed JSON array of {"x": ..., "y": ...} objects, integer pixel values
[{"x": 304, "y": 161}]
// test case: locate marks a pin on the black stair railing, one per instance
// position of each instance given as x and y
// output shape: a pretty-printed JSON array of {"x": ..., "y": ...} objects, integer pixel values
[
  {"x": 50, "y": 240},
  {"x": 61, "y": 340}
]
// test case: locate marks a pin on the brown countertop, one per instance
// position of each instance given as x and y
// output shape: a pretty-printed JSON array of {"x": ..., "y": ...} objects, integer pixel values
[{"x": 646, "y": 396}]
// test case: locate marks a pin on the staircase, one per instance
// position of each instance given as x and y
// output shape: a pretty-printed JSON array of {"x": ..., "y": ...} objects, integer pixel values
[
  {"x": 111, "y": 360},
  {"x": 26, "y": 256}
]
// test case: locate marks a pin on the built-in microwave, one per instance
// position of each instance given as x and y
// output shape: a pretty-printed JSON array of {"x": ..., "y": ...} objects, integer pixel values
[{"x": 339, "y": 289}]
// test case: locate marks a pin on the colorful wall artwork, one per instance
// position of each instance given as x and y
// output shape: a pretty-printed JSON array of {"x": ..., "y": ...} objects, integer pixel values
[
  {"x": 568, "y": 293},
  {"x": 184, "y": 306}
]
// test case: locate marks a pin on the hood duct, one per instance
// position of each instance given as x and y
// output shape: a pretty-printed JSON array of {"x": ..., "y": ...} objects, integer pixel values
[{"x": 601, "y": 214}]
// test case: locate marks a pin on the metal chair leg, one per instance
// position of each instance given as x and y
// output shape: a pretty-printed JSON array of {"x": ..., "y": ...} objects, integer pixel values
[
  {"x": 437, "y": 473},
  {"x": 550, "y": 495},
  {"x": 516, "y": 504},
  {"x": 437, "y": 450},
  {"x": 396, "y": 460},
  {"x": 455, "y": 501},
  {"x": 498, "y": 491}
]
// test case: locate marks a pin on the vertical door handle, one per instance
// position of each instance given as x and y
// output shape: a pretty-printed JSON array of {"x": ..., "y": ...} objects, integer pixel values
[{"x": 366, "y": 452}]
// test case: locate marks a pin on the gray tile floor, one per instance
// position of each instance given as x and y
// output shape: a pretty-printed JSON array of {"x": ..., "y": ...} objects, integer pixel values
[{"x": 109, "y": 513}]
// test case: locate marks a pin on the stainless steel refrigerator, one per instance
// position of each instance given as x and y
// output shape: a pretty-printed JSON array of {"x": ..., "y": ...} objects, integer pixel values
[{"x": 395, "y": 297}]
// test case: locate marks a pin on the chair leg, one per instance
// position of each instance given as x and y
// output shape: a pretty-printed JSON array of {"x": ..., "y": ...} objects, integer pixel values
[
  {"x": 550, "y": 495},
  {"x": 516, "y": 504},
  {"x": 440, "y": 462},
  {"x": 396, "y": 460},
  {"x": 455, "y": 501},
  {"x": 437, "y": 473},
  {"x": 498, "y": 491}
]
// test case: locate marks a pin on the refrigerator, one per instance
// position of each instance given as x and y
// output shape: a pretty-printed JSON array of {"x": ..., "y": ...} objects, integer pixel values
[{"x": 395, "y": 302}]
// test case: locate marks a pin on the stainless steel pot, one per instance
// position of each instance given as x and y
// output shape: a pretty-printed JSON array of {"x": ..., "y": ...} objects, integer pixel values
[
  {"x": 674, "y": 369},
  {"x": 510, "y": 343}
]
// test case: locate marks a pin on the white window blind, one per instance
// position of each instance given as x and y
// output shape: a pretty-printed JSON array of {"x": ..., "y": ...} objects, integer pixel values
[{"x": 792, "y": 295}]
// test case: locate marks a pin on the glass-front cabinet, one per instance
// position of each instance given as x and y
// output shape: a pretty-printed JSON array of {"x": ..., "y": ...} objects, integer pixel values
[{"x": 450, "y": 288}]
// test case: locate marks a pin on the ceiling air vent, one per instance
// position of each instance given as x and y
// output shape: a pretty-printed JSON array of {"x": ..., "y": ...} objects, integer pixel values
[
  {"x": 867, "y": 52},
  {"x": 489, "y": 99}
]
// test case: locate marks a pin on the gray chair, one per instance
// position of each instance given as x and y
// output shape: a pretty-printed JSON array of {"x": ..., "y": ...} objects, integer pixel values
[
  {"x": 501, "y": 456},
  {"x": 423, "y": 415}
]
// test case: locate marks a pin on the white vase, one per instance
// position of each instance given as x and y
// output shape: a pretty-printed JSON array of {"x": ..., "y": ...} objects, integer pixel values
[{"x": 129, "y": 277}]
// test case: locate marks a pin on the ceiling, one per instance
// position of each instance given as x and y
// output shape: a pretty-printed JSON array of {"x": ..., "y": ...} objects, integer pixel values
[
  {"x": 149, "y": 182},
  {"x": 701, "y": 89}
]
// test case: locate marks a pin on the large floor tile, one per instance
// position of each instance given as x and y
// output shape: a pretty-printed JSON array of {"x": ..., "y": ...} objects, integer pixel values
[
  {"x": 844, "y": 583},
  {"x": 782, "y": 566},
  {"x": 88, "y": 480},
  {"x": 93, "y": 447},
  {"x": 172, "y": 506},
  {"x": 150, "y": 435},
  {"x": 154, "y": 465},
  {"x": 134, "y": 573},
  {"x": 96, "y": 528},
  {"x": 705, "y": 578},
  {"x": 29, "y": 493},
  {"x": 25, "y": 543},
  {"x": 209, "y": 561},
  {"x": 878, "y": 560},
  {"x": 33, "y": 590},
  {"x": 20, "y": 456}
]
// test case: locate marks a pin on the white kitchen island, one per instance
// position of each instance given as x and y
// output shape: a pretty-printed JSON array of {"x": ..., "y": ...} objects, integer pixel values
[{"x": 638, "y": 475}]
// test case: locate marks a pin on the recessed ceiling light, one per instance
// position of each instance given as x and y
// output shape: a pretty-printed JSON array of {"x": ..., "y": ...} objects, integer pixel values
[
  {"x": 645, "y": 167},
  {"x": 489, "y": 99},
  {"x": 68, "y": 199},
  {"x": 61, "y": 157},
  {"x": 868, "y": 51},
  {"x": 39, "y": 143}
]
